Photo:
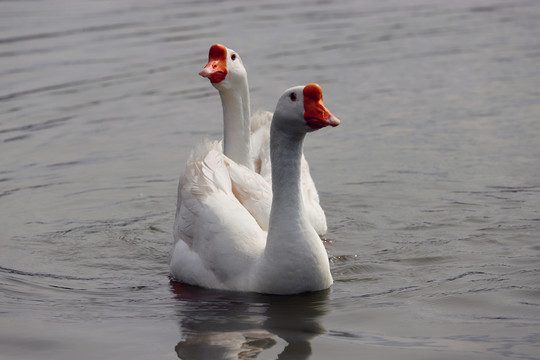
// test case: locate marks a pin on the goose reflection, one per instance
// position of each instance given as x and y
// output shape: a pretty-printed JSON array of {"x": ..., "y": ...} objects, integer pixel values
[{"x": 229, "y": 325}]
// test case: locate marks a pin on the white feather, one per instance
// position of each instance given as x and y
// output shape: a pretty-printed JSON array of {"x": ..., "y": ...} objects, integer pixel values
[
  {"x": 244, "y": 132},
  {"x": 219, "y": 240}
]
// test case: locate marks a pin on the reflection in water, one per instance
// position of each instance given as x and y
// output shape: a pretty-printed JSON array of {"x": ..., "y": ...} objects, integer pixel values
[{"x": 230, "y": 325}]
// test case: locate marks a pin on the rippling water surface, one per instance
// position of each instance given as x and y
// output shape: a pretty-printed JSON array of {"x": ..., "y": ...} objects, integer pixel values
[{"x": 431, "y": 184}]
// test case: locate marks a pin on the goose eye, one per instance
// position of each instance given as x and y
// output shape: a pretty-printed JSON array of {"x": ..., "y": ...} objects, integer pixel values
[
  {"x": 293, "y": 96},
  {"x": 233, "y": 57}
]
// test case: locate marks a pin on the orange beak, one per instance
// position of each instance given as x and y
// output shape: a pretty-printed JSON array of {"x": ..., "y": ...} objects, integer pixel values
[
  {"x": 315, "y": 113},
  {"x": 216, "y": 69}
]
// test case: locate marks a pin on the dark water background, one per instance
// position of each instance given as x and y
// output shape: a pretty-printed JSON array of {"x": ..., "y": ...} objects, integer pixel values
[{"x": 431, "y": 184}]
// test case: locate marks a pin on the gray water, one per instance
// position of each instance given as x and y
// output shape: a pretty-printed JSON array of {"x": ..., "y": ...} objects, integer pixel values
[{"x": 431, "y": 183}]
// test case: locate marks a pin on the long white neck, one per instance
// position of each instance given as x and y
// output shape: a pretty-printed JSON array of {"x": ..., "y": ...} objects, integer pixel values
[
  {"x": 293, "y": 247},
  {"x": 287, "y": 205},
  {"x": 236, "y": 125}
]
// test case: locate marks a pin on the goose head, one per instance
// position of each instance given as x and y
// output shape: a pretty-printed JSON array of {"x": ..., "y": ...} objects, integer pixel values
[
  {"x": 225, "y": 69},
  {"x": 300, "y": 109}
]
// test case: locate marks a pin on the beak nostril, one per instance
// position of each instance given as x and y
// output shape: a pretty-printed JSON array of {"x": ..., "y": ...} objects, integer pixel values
[{"x": 215, "y": 70}]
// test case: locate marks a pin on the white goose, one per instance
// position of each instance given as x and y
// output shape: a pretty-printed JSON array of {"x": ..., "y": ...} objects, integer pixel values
[
  {"x": 220, "y": 245},
  {"x": 246, "y": 139}
]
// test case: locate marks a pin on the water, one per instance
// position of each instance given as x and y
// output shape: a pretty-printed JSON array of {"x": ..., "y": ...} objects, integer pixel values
[{"x": 431, "y": 184}]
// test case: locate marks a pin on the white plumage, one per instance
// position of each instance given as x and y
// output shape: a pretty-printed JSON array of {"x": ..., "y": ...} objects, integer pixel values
[
  {"x": 247, "y": 137},
  {"x": 219, "y": 241}
]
